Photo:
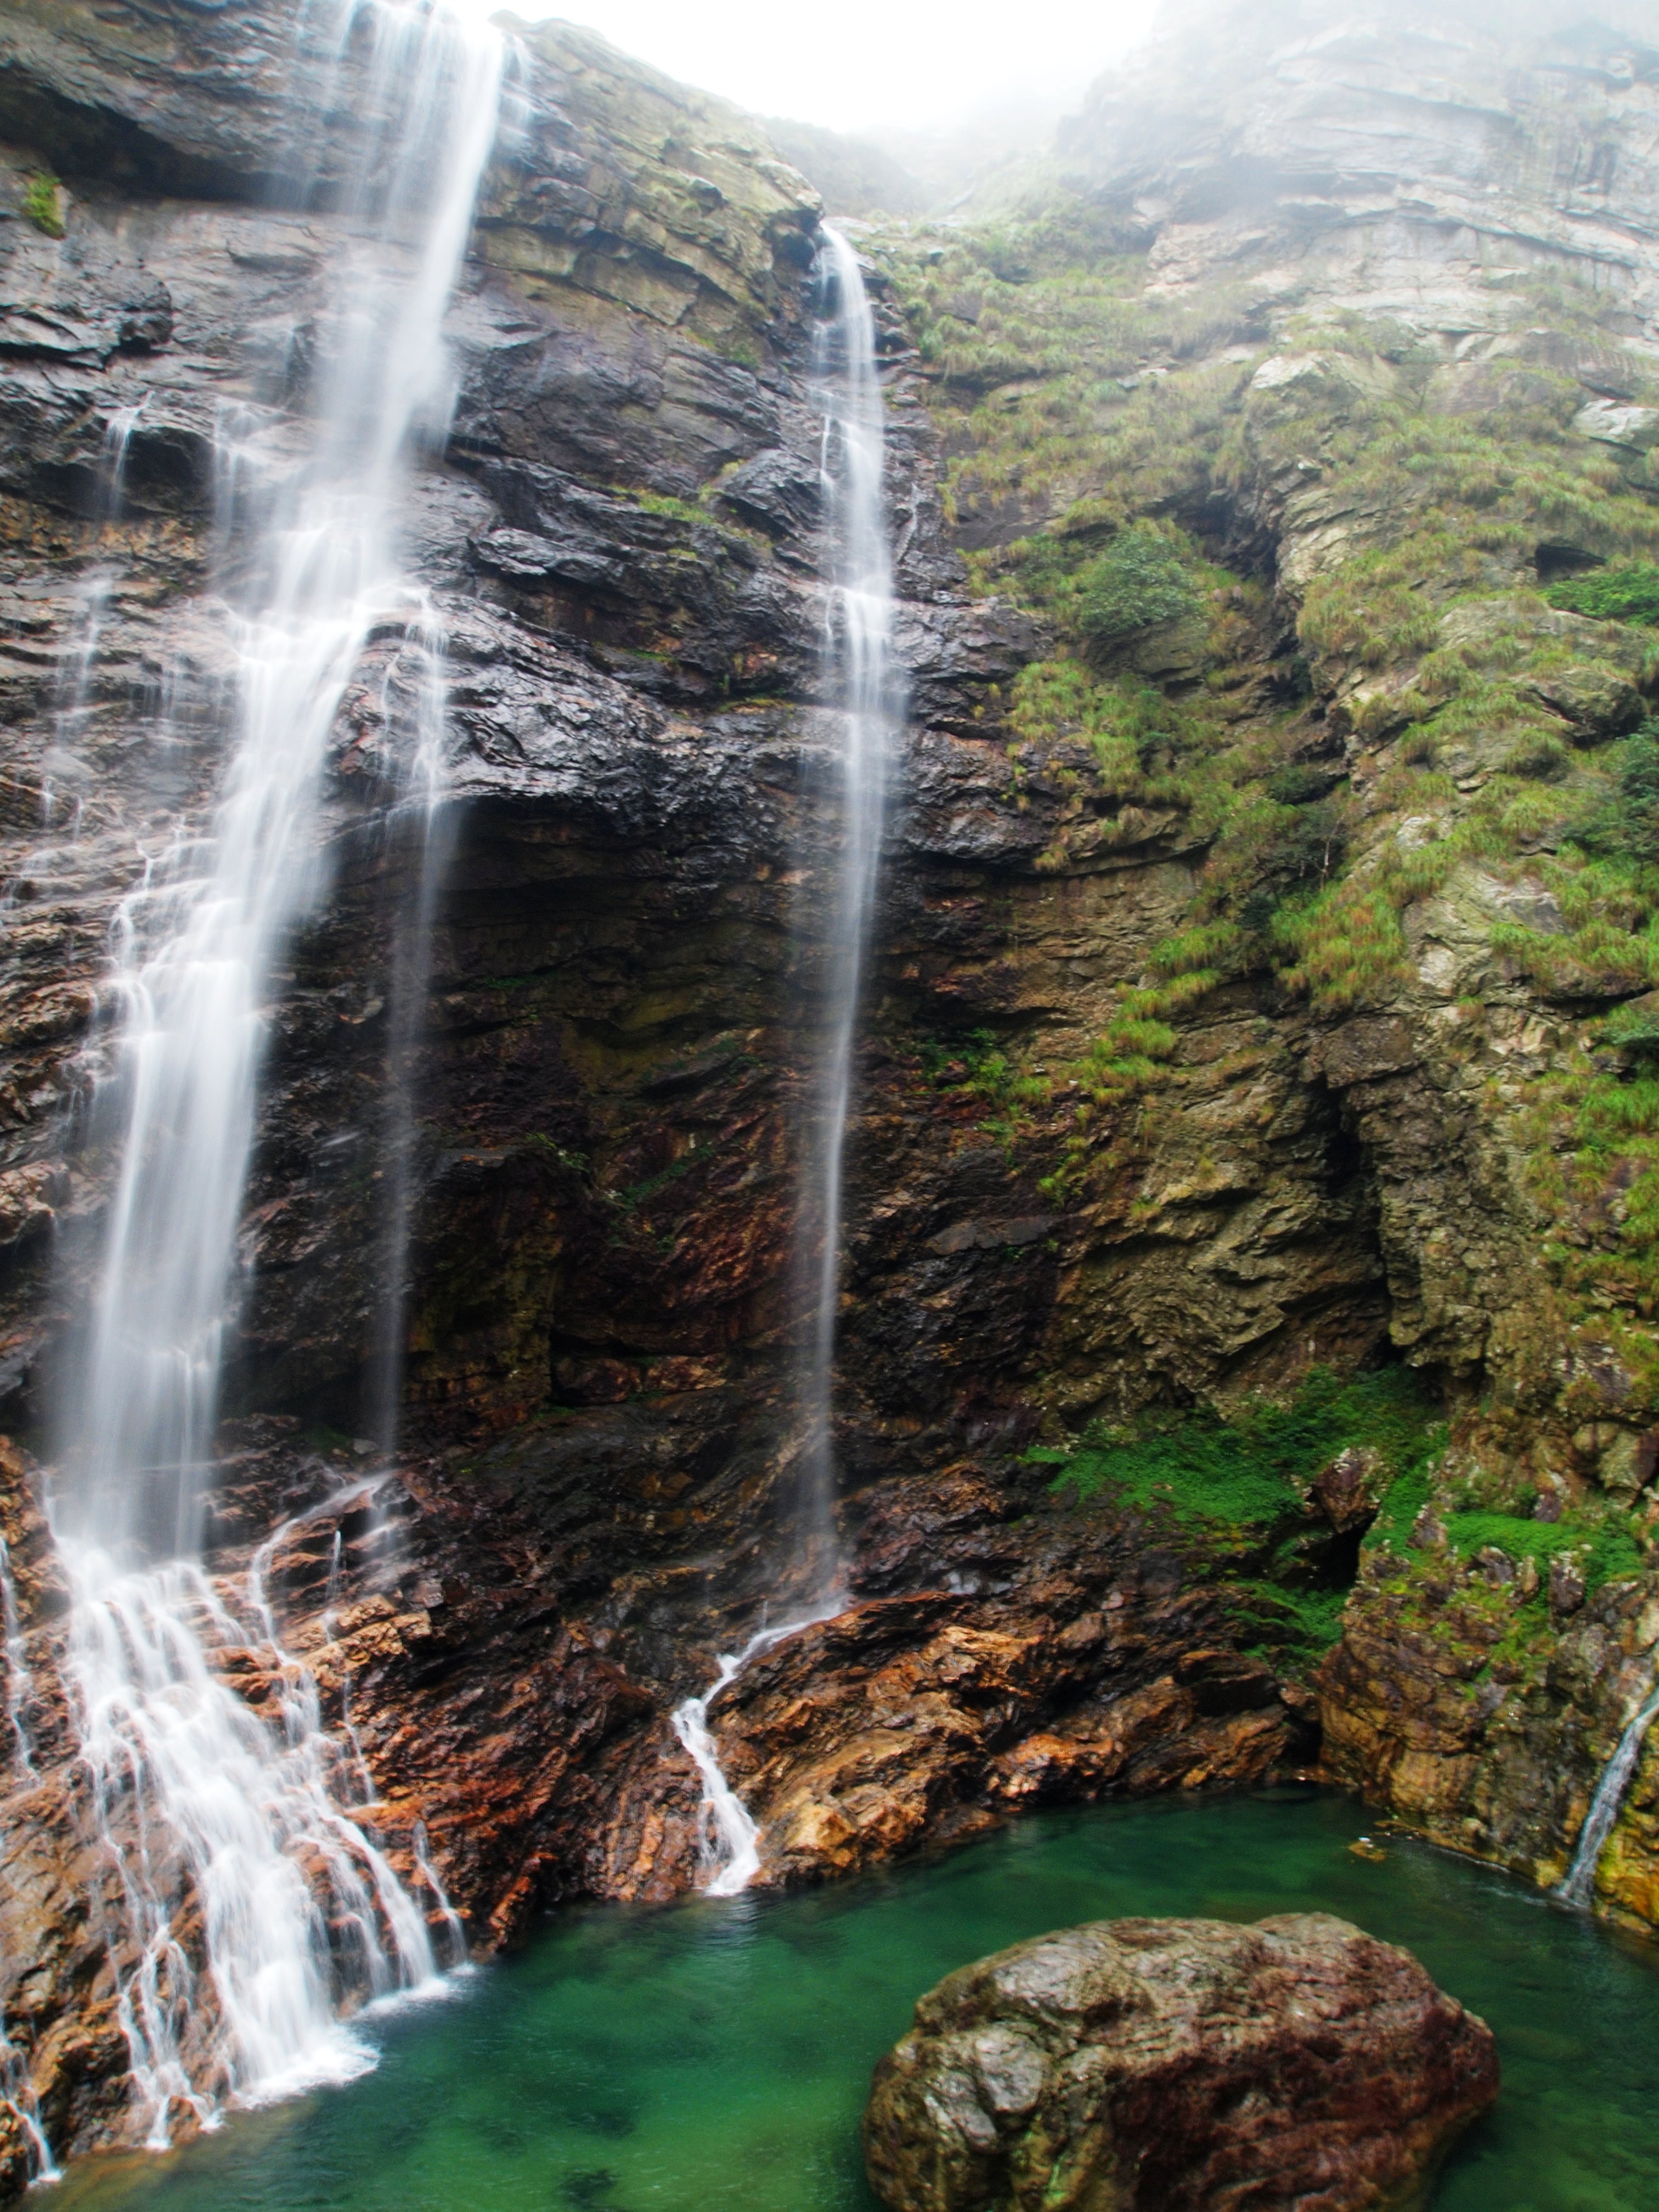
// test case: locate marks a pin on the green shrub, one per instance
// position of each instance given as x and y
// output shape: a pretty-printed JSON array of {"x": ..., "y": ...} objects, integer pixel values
[
  {"x": 1137, "y": 582},
  {"x": 1638, "y": 767},
  {"x": 1297, "y": 784},
  {"x": 1635, "y": 1030},
  {"x": 1623, "y": 820},
  {"x": 1628, "y": 593}
]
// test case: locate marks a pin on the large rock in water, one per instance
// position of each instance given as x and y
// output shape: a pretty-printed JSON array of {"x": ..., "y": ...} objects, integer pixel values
[{"x": 1178, "y": 2066}]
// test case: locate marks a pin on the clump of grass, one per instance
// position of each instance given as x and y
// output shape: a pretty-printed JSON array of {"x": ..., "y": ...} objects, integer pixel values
[
  {"x": 1148, "y": 747},
  {"x": 1627, "y": 592},
  {"x": 43, "y": 204}
]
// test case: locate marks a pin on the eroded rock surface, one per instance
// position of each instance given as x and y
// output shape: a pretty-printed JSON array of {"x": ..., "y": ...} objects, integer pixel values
[{"x": 1178, "y": 2066}]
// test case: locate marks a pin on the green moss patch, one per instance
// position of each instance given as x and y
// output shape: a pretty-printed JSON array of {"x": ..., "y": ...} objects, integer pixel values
[
  {"x": 1606, "y": 1549},
  {"x": 1234, "y": 1486},
  {"x": 1251, "y": 1466}
]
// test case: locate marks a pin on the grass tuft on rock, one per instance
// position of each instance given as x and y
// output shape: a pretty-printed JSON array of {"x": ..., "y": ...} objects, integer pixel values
[{"x": 43, "y": 205}]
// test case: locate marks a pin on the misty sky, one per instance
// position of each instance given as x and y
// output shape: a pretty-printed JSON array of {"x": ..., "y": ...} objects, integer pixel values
[{"x": 864, "y": 61}]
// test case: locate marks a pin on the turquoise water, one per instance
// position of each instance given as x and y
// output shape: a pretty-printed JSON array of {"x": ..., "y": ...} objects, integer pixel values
[{"x": 710, "y": 2057}]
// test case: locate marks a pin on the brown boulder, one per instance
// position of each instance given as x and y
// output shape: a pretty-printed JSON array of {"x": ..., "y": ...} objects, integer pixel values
[{"x": 1178, "y": 2066}]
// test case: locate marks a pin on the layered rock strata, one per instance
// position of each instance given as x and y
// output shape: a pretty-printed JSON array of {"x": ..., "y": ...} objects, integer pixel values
[{"x": 1394, "y": 360}]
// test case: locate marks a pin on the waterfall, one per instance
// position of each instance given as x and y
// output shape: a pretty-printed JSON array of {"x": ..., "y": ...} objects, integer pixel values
[
  {"x": 93, "y": 593},
  {"x": 212, "y": 1814},
  {"x": 859, "y": 686},
  {"x": 857, "y": 679},
  {"x": 1579, "y": 1886}
]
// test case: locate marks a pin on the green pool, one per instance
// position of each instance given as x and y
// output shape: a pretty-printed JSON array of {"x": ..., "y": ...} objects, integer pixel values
[{"x": 715, "y": 2058}]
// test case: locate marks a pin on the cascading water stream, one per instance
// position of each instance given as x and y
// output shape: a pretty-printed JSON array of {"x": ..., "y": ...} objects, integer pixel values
[
  {"x": 1579, "y": 1885},
  {"x": 859, "y": 683},
  {"x": 204, "y": 1805},
  {"x": 730, "y": 1841},
  {"x": 434, "y": 827}
]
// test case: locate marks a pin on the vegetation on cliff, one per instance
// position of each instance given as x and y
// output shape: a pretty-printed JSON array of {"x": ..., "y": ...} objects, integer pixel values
[
  {"x": 1350, "y": 601},
  {"x": 1238, "y": 1491},
  {"x": 1443, "y": 695}
]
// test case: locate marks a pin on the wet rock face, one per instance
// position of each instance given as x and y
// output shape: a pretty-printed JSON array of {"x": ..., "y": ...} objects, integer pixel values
[
  {"x": 625, "y": 1002},
  {"x": 1176, "y": 2066},
  {"x": 999, "y": 1652},
  {"x": 508, "y": 1652}
]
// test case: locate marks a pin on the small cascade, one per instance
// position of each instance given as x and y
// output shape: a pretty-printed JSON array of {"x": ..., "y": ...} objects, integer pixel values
[
  {"x": 250, "y": 1904},
  {"x": 859, "y": 684},
  {"x": 1579, "y": 1886},
  {"x": 729, "y": 1844},
  {"x": 93, "y": 590},
  {"x": 17, "y": 2096}
]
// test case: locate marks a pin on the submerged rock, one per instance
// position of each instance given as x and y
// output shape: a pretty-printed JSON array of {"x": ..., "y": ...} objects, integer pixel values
[{"x": 1178, "y": 2066}]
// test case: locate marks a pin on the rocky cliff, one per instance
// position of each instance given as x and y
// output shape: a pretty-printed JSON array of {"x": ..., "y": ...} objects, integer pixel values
[
  {"x": 1312, "y": 405},
  {"x": 1260, "y": 968}
]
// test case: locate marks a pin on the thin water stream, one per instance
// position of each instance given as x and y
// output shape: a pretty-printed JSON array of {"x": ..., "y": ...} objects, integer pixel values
[
  {"x": 859, "y": 686},
  {"x": 860, "y": 682},
  {"x": 1579, "y": 1885},
  {"x": 717, "y": 2054}
]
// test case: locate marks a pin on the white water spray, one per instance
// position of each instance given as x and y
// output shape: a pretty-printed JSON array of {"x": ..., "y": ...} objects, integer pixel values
[
  {"x": 20, "y": 1683},
  {"x": 857, "y": 681},
  {"x": 1579, "y": 1886},
  {"x": 206, "y": 1807}
]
